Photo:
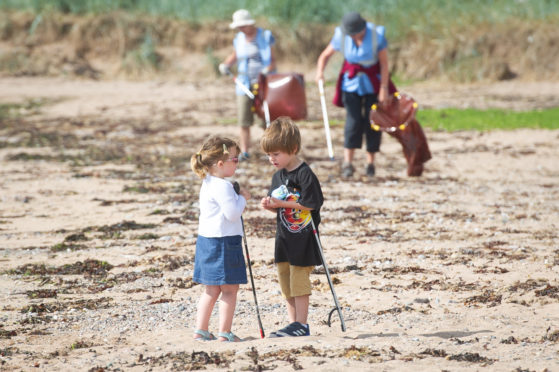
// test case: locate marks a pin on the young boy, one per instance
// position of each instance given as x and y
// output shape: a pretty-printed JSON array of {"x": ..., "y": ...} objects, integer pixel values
[{"x": 296, "y": 197}]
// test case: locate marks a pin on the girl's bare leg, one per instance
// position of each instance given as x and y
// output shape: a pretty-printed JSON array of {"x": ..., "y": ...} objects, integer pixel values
[
  {"x": 205, "y": 307},
  {"x": 227, "y": 305}
]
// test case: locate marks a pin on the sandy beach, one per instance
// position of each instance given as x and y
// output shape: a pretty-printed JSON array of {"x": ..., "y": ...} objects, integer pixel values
[{"x": 456, "y": 270}]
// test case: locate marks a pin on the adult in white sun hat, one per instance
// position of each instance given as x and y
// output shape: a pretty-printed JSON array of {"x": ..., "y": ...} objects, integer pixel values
[{"x": 254, "y": 55}]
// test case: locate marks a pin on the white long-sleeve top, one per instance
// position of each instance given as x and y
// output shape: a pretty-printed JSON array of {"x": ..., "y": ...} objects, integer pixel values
[{"x": 220, "y": 209}]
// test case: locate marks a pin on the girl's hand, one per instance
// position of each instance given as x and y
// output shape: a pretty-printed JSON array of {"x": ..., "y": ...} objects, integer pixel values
[{"x": 245, "y": 193}]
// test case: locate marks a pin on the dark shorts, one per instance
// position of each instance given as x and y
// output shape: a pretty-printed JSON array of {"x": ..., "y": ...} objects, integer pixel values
[
  {"x": 219, "y": 261},
  {"x": 357, "y": 122}
]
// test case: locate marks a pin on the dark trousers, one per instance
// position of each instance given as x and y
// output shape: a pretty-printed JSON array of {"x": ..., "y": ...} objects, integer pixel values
[{"x": 357, "y": 122}]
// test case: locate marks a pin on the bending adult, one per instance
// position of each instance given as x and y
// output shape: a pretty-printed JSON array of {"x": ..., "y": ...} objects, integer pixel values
[
  {"x": 254, "y": 55},
  {"x": 363, "y": 80}
]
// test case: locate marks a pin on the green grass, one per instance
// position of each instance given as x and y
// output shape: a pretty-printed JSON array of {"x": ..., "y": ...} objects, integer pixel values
[
  {"x": 13, "y": 110},
  {"x": 471, "y": 119}
]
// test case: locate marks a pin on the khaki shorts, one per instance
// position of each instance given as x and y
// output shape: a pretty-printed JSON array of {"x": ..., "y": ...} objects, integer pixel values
[
  {"x": 245, "y": 113},
  {"x": 294, "y": 281}
]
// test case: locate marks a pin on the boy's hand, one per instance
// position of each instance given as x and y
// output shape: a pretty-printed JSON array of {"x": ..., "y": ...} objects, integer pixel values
[
  {"x": 274, "y": 203},
  {"x": 265, "y": 203}
]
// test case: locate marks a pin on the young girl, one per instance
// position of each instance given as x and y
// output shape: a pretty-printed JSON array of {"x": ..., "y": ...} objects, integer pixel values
[{"x": 219, "y": 262}]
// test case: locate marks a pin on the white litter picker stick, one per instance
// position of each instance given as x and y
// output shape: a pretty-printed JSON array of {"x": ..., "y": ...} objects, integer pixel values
[
  {"x": 241, "y": 85},
  {"x": 251, "y": 96},
  {"x": 266, "y": 113},
  {"x": 243, "y": 88},
  {"x": 325, "y": 118}
]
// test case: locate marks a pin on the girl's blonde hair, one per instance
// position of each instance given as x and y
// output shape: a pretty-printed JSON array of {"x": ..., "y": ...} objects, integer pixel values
[
  {"x": 282, "y": 135},
  {"x": 214, "y": 149}
]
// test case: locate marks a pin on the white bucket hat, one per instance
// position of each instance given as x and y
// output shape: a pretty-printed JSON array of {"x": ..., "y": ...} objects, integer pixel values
[{"x": 242, "y": 17}]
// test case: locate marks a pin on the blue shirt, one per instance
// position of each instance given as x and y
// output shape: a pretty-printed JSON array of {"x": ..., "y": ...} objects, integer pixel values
[
  {"x": 247, "y": 61},
  {"x": 362, "y": 54}
]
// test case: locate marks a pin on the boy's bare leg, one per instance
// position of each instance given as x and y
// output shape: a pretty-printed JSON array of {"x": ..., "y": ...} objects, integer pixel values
[
  {"x": 298, "y": 309},
  {"x": 302, "y": 308},
  {"x": 227, "y": 306},
  {"x": 206, "y": 305},
  {"x": 291, "y": 310}
]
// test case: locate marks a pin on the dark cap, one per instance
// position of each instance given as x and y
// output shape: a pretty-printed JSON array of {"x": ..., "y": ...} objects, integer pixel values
[{"x": 353, "y": 23}]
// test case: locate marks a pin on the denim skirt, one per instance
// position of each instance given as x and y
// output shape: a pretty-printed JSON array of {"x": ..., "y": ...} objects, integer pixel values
[{"x": 219, "y": 261}]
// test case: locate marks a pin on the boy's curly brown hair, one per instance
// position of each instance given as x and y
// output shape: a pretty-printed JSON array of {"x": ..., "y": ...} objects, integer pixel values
[{"x": 282, "y": 135}]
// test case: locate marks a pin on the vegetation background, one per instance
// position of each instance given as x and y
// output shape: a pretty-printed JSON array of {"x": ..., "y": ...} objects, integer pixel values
[
  {"x": 184, "y": 40},
  {"x": 463, "y": 41}
]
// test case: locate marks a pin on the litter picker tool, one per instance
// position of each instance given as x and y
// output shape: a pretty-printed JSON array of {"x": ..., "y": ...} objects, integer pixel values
[
  {"x": 266, "y": 113},
  {"x": 241, "y": 85},
  {"x": 251, "y": 96},
  {"x": 325, "y": 118},
  {"x": 338, "y": 308},
  {"x": 237, "y": 189}
]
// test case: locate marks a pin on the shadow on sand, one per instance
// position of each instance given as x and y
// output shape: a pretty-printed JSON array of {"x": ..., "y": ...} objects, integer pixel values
[{"x": 444, "y": 334}]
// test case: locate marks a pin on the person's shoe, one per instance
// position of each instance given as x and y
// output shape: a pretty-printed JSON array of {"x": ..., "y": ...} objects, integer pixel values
[
  {"x": 347, "y": 170},
  {"x": 244, "y": 156},
  {"x": 229, "y": 337},
  {"x": 295, "y": 329},
  {"x": 370, "y": 170},
  {"x": 203, "y": 335}
]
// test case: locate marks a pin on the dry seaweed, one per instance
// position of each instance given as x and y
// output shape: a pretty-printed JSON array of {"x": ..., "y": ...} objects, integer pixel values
[
  {"x": 488, "y": 297},
  {"x": 196, "y": 360}
]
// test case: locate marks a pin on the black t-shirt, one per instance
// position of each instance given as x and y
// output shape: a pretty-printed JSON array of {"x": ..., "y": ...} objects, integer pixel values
[{"x": 295, "y": 240}]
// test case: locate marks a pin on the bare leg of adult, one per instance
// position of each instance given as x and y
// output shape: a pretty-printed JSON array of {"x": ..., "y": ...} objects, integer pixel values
[
  {"x": 227, "y": 307},
  {"x": 370, "y": 158},
  {"x": 348, "y": 155},
  {"x": 205, "y": 307},
  {"x": 370, "y": 164},
  {"x": 347, "y": 167},
  {"x": 245, "y": 139}
]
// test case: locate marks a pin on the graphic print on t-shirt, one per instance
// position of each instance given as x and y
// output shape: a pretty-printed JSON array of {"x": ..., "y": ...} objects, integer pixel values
[{"x": 294, "y": 220}]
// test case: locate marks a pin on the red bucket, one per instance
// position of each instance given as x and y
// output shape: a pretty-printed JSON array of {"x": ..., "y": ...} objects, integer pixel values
[{"x": 284, "y": 94}]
